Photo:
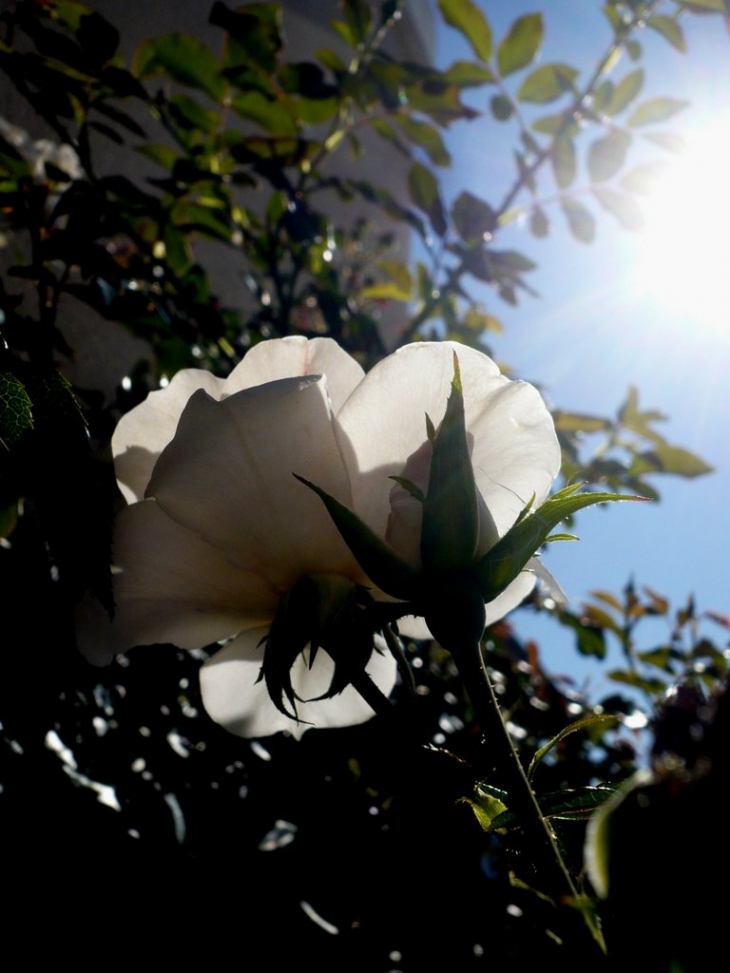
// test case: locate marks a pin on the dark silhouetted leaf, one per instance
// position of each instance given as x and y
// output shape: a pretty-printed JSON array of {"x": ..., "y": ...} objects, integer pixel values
[
  {"x": 185, "y": 59},
  {"x": 501, "y": 107},
  {"x": 424, "y": 192},
  {"x": 474, "y": 219}
]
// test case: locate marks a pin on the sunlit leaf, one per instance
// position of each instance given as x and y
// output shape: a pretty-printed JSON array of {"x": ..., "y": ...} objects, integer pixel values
[
  {"x": 670, "y": 459},
  {"x": 624, "y": 92},
  {"x": 579, "y": 422},
  {"x": 695, "y": 6},
  {"x": 427, "y": 137},
  {"x": 539, "y": 225},
  {"x": 630, "y": 678},
  {"x": 581, "y": 222},
  {"x": 656, "y": 110},
  {"x": 16, "y": 409},
  {"x": 669, "y": 29},
  {"x": 467, "y": 74},
  {"x": 643, "y": 178},
  {"x": 519, "y": 48},
  {"x": 501, "y": 565},
  {"x": 586, "y": 723},
  {"x": 563, "y": 159},
  {"x": 620, "y": 205},
  {"x": 547, "y": 83},
  {"x": 469, "y": 19},
  {"x": 607, "y": 155}
]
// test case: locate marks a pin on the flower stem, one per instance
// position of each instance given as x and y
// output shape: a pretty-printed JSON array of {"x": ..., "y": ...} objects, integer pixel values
[{"x": 548, "y": 860}]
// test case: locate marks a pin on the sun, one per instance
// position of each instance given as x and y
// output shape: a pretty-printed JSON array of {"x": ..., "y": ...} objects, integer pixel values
[{"x": 682, "y": 252}]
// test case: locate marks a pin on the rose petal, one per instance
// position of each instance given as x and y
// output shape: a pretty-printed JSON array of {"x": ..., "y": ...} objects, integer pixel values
[
  {"x": 143, "y": 433},
  {"x": 296, "y": 356},
  {"x": 383, "y": 422},
  {"x": 233, "y": 697},
  {"x": 228, "y": 476},
  {"x": 174, "y": 587}
]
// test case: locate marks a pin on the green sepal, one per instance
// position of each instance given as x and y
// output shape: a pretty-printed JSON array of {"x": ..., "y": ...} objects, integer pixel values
[
  {"x": 501, "y": 565},
  {"x": 379, "y": 561},
  {"x": 410, "y": 487},
  {"x": 450, "y": 530}
]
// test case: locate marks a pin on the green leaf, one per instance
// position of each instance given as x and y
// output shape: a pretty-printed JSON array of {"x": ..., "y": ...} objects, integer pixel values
[
  {"x": 469, "y": 20},
  {"x": 425, "y": 135},
  {"x": 587, "y": 722},
  {"x": 696, "y": 6},
  {"x": 487, "y": 805},
  {"x": 399, "y": 286},
  {"x": 474, "y": 219},
  {"x": 670, "y": 459},
  {"x": 581, "y": 222},
  {"x": 607, "y": 155},
  {"x": 501, "y": 107},
  {"x": 163, "y": 155},
  {"x": 670, "y": 141},
  {"x": 500, "y": 566},
  {"x": 620, "y": 205},
  {"x": 16, "y": 409},
  {"x": 652, "y": 687},
  {"x": 519, "y": 48},
  {"x": 624, "y": 92},
  {"x": 579, "y": 422},
  {"x": 539, "y": 225},
  {"x": 575, "y": 804},
  {"x": 357, "y": 13},
  {"x": 669, "y": 29},
  {"x": 467, "y": 74},
  {"x": 656, "y": 110},
  {"x": 563, "y": 160},
  {"x": 643, "y": 178},
  {"x": 550, "y": 124},
  {"x": 424, "y": 191},
  {"x": 633, "y": 49},
  {"x": 590, "y": 640},
  {"x": 254, "y": 34},
  {"x": 547, "y": 83},
  {"x": 270, "y": 115},
  {"x": 185, "y": 59}
]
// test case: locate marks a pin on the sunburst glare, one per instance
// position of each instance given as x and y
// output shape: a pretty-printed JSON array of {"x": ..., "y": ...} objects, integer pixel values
[{"x": 682, "y": 253}]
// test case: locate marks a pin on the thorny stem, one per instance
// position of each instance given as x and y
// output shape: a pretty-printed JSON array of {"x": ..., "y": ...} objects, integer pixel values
[
  {"x": 619, "y": 40},
  {"x": 431, "y": 305},
  {"x": 548, "y": 861}
]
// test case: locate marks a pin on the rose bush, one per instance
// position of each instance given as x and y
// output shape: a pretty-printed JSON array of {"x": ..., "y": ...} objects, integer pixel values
[{"x": 219, "y": 532}]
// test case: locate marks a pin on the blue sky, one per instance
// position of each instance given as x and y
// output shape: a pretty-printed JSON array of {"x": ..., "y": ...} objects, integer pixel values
[{"x": 591, "y": 333}]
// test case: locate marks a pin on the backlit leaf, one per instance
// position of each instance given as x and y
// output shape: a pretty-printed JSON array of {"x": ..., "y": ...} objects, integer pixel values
[
  {"x": 469, "y": 20},
  {"x": 519, "y": 48}
]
